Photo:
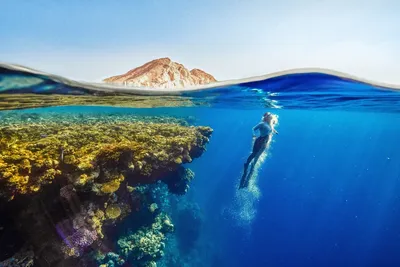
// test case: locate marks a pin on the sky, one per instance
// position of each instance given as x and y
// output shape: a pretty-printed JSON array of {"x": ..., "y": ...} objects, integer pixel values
[{"x": 89, "y": 40}]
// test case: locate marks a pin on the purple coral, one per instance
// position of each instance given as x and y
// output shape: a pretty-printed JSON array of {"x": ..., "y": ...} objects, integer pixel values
[
  {"x": 78, "y": 241},
  {"x": 77, "y": 234},
  {"x": 82, "y": 238}
]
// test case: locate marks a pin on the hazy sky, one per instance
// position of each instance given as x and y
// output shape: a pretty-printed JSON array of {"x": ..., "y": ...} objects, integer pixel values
[{"x": 93, "y": 39}]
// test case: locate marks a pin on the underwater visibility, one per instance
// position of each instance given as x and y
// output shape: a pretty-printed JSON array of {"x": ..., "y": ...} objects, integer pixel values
[{"x": 107, "y": 175}]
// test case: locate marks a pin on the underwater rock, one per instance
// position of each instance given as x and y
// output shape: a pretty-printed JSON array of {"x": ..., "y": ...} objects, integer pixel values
[
  {"x": 178, "y": 181},
  {"x": 23, "y": 258}
]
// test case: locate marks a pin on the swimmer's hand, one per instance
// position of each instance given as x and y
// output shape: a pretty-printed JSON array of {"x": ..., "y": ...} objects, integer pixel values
[{"x": 275, "y": 131}]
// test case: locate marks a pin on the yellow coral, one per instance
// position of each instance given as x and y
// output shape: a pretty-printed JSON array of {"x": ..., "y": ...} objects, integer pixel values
[
  {"x": 83, "y": 178},
  {"x": 99, "y": 214},
  {"x": 70, "y": 252},
  {"x": 35, "y": 154},
  {"x": 178, "y": 161},
  {"x": 26, "y": 165},
  {"x": 97, "y": 222},
  {"x": 112, "y": 186},
  {"x": 113, "y": 211}
]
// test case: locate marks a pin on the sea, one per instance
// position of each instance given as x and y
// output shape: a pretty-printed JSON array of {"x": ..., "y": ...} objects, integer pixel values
[{"x": 325, "y": 192}]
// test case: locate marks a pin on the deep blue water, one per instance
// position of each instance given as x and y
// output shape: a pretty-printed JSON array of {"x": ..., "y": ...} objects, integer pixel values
[
  {"x": 327, "y": 194},
  {"x": 329, "y": 190}
]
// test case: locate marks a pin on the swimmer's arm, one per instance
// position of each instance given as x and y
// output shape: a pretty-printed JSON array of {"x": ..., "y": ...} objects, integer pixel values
[
  {"x": 273, "y": 130},
  {"x": 255, "y": 128}
]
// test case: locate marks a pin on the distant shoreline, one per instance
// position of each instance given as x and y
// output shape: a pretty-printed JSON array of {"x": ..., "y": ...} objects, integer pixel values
[{"x": 116, "y": 88}]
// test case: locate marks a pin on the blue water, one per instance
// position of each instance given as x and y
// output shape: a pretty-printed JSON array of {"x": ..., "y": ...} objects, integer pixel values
[{"x": 328, "y": 191}]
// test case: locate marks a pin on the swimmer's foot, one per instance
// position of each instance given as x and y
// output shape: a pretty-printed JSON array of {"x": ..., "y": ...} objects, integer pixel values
[
  {"x": 244, "y": 183},
  {"x": 243, "y": 180}
]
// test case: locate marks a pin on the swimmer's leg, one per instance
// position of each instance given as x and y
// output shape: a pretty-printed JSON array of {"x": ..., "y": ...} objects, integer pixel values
[
  {"x": 247, "y": 179},
  {"x": 258, "y": 148},
  {"x": 246, "y": 166}
]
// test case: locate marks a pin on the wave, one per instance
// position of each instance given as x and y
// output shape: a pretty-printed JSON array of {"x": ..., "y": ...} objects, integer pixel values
[
  {"x": 87, "y": 87},
  {"x": 296, "y": 88}
]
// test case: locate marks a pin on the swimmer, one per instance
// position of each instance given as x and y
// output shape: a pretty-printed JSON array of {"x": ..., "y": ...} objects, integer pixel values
[{"x": 266, "y": 130}]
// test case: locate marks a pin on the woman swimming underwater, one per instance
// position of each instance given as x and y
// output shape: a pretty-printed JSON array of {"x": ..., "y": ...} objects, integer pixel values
[{"x": 266, "y": 129}]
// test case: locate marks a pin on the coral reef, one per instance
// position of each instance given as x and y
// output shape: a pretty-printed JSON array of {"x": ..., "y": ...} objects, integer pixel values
[
  {"x": 178, "y": 181},
  {"x": 144, "y": 246},
  {"x": 97, "y": 154},
  {"x": 81, "y": 231},
  {"x": 69, "y": 183},
  {"x": 185, "y": 245}
]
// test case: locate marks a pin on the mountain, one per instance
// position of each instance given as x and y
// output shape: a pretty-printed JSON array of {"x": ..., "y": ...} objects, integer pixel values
[{"x": 162, "y": 73}]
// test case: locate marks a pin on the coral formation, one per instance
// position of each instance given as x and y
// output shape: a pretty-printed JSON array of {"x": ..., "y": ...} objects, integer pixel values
[
  {"x": 69, "y": 181},
  {"x": 153, "y": 207},
  {"x": 112, "y": 186},
  {"x": 96, "y": 154},
  {"x": 148, "y": 243},
  {"x": 113, "y": 211},
  {"x": 110, "y": 259},
  {"x": 178, "y": 181},
  {"x": 81, "y": 231}
]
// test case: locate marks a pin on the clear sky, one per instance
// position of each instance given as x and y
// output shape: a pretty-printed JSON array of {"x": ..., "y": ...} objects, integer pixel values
[{"x": 93, "y": 39}]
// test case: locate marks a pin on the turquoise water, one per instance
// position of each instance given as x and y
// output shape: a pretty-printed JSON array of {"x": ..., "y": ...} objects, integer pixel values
[{"x": 326, "y": 192}]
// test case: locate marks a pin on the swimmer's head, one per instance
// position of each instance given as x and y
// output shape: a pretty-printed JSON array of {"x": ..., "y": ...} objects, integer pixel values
[
  {"x": 267, "y": 116},
  {"x": 270, "y": 118}
]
